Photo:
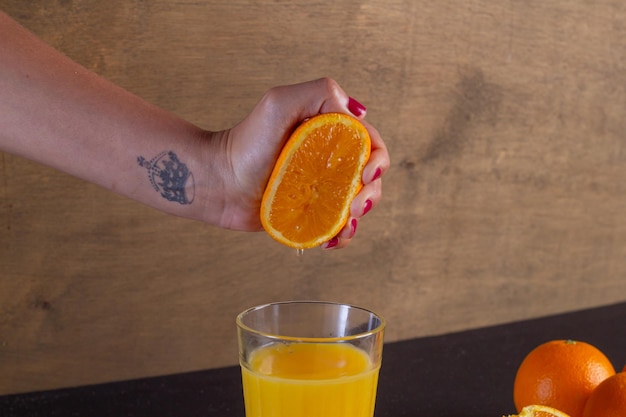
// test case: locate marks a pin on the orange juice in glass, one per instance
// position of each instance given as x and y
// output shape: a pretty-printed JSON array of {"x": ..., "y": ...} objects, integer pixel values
[{"x": 308, "y": 358}]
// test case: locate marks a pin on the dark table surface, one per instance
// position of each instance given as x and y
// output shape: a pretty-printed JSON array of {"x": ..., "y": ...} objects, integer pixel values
[{"x": 463, "y": 374}]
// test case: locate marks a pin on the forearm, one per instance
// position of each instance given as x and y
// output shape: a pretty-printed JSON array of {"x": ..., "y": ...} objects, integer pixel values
[{"x": 56, "y": 112}]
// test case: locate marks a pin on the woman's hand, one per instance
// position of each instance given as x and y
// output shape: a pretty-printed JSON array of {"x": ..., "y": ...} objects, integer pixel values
[
  {"x": 253, "y": 146},
  {"x": 58, "y": 113}
]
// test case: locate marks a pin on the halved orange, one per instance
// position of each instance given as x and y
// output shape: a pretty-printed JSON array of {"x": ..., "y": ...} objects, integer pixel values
[
  {"x": 316, "y": 176},
  {"x": 539, "y": 411}
]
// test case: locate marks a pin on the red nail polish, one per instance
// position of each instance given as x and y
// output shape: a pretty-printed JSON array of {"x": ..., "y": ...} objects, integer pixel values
[
  {"x": 332, "y": 242},
  {"x": 367, "y": 206},
  {"x": 355, "y": 107},
  {"x": 377, "y": 174},
  {"x": 353, "y": 225}
]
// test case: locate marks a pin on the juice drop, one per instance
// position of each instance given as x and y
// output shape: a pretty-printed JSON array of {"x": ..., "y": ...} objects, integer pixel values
[{"x": 299, "y": 252}]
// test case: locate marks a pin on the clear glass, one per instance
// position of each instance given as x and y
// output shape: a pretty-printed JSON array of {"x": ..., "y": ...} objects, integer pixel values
[{"x": 310, "y": 358}]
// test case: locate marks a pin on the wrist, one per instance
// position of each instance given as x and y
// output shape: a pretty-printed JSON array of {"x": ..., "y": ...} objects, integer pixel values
[
  {"x": 212, "y": 181},
  {"x": 231, "y": 198}
]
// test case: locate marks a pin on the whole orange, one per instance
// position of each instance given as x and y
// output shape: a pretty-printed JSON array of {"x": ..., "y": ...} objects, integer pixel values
[
  {"x": 609, "y": 398},
  {"x": 560, "y": 374}
]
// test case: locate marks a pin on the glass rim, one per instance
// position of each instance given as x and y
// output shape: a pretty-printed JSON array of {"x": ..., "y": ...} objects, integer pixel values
[{"x": 378, "y": 329}]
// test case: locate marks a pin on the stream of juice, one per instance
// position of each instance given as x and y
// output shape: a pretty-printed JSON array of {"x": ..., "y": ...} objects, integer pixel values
[{"x": 309, "y": 380}]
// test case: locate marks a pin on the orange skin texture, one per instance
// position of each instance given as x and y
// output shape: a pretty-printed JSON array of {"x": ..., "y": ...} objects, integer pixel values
[
  {"x": 561, "y": 374},
  {"x": 609, "y": 398}
]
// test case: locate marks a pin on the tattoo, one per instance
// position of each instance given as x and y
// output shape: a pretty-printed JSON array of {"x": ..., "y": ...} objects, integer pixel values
[{"x": 170, "y": 177}]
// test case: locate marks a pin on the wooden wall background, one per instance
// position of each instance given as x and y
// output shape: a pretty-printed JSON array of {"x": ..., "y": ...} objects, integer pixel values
[{"x": 506, "y": 197}]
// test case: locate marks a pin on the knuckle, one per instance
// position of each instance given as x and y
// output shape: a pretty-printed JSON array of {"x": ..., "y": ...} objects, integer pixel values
[{"x": 270, "y": 101}]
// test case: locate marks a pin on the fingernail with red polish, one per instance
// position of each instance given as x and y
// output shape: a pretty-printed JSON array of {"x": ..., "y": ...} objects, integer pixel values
[
  {"x": 355, "y": 107},
  {"x": 377, "y": 174},
  {"x": 332, "y": 243},
  {"x": 367, "y": 206},
  {"x": 353, "y": 225}
]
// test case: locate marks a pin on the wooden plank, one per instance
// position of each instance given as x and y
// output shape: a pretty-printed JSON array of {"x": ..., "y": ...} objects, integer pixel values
[{"x": 505, "y": 199}]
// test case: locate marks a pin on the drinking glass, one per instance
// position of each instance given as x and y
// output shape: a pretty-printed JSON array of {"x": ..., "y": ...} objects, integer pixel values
[{"x": 309, "y": 358}]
